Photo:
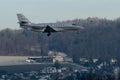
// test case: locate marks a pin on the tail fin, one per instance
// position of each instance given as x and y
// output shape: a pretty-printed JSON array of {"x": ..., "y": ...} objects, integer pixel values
[{"x": 23, "y": 21}]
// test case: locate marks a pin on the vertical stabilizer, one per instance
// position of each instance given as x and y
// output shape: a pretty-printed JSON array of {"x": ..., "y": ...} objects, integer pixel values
[{"x": 23, "y": 21}]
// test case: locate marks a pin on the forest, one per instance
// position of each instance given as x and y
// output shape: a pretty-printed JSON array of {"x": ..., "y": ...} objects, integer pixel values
[{"x": 99, "y": 39}]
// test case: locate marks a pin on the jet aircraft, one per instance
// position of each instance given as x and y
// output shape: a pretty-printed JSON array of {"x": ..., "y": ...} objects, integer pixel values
[{"x": 46, "y": 27}]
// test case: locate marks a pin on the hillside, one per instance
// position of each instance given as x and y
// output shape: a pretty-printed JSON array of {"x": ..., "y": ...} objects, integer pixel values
[{"x": 99, "y": 39}]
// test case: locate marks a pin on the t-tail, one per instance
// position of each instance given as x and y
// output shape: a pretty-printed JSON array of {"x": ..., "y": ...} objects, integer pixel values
[{"x": 23, "y": 21}]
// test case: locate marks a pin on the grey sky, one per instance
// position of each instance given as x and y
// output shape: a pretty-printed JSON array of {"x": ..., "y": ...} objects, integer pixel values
[{"x": 56, "y": 10}]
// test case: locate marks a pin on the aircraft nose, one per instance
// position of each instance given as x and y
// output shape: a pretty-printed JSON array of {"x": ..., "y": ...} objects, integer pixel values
[{"x": 80, "y": 27}]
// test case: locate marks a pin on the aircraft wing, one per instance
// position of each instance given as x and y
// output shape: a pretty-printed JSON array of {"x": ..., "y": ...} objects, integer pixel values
[
  {"x": 49, "y": 29},
  {"x": 43, "y": 29}
]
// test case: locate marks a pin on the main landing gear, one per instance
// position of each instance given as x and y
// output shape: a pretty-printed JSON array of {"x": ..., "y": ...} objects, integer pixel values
[{"x": 49, "y": 33}]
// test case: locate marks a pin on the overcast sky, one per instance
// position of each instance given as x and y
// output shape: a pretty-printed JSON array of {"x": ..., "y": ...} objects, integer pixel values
[{"x": 56, "y": 10}]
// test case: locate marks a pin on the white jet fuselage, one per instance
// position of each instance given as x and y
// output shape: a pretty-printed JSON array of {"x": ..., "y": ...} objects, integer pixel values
[{"x": 58, "y": 27}]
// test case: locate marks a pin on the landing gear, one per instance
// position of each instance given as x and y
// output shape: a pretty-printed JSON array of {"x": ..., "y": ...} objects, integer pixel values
[{"x": 49, "y": 33}]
